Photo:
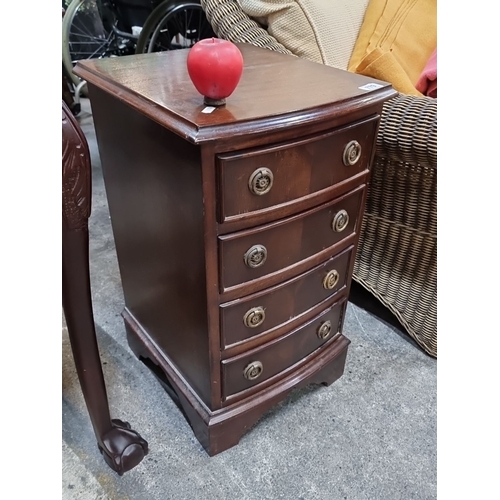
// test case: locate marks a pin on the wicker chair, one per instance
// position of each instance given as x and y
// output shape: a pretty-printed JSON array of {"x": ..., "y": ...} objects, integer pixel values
[{"x": 397, "y": 254}]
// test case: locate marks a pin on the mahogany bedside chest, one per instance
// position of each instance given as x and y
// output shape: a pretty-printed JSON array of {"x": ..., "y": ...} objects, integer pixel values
[{"x": 235, "y": 229}]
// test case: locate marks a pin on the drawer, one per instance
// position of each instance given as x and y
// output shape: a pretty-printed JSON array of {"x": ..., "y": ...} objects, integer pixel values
[
  {"x": 255, "y": 367},
  {"x": 259, "y": 179},
  {"x": 256, "y": 253},
  {"x": 260, "y": 313}
]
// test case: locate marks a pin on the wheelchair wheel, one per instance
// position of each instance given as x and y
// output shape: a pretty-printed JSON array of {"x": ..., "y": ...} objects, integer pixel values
[
  {"x": 174, "y": 24},
  {"x": 84, "y": 35}
]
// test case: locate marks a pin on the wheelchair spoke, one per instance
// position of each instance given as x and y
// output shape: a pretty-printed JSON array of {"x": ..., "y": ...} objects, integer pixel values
[{"x": 77, "y": 31}]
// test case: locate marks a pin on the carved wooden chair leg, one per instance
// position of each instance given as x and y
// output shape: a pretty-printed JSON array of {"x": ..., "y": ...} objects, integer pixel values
[{"x": 122, "y": 448}]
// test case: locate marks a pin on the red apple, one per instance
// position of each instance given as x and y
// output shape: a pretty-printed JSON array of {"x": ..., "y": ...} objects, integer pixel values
[{"x": 215, "y": 67}]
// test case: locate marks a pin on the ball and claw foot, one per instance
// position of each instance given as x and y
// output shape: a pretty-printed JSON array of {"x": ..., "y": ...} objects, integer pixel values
[{"x": 122, "y": 447}]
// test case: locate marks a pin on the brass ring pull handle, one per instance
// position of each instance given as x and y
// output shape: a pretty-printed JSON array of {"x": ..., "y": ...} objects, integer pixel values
[
  {"x": 352, "y": 153},
  {"x": 255, "y": 256},
  {"x": 253, "y": 370},
  {"x": 261, "y": 181},
  {"x": 254, "y": 317},
  {"x": 331, "y": 280},
  {"x": 340, "y": 221},
  {"x": 324, "y": 330}
]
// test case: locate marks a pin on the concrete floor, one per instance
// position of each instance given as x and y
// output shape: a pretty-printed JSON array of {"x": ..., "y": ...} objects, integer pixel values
[{"x": 371, "y": 435}]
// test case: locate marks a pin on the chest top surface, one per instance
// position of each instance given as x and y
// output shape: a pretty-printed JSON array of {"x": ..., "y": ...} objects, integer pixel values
[{"x": 274, "y": 90}]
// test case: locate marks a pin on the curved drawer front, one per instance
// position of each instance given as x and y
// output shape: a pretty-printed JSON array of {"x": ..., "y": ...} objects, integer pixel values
[
  {"x": 263, "y": 178},
  {"x": 252, "y": 368},
  {"x": 256, "y": 253},
  {"x": 262, "y": 312}
]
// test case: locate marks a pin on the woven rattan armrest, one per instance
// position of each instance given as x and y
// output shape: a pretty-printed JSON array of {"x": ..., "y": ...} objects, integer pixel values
[
  {"x": 230, "y": 23},
  {"x": 408, "y": 131},
  {"x": 397, "y": 252}
]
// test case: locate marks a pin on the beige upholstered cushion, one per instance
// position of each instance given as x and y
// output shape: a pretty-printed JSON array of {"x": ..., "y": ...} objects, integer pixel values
[{"x": 324, "y": 31}]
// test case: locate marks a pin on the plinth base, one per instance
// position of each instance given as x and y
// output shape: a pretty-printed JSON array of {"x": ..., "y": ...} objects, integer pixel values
[{"x": 222, "y": 429}]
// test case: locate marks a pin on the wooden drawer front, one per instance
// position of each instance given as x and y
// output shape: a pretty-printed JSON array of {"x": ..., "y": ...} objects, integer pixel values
[
  {"x": 297, "y": 169},
  {"x": 252, "y": 254},
  {"x": 261, "y": 312},
  {"x": 283, "y": 353}
]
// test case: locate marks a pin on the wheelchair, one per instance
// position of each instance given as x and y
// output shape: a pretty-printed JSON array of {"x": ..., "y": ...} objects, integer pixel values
[{"x": 114, "y": 28}]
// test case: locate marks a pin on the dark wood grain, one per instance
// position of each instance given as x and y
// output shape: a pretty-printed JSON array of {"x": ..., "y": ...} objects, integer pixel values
[
  {"x": 183, "y": 218},
  {"x": 219, "y": 430},
  {"x": 281, "y": 354},
  {"x": 155, "y": 195},
  {"x": 299, "y": 169},
  {"x": 293, "y": 207},
  {"x": 122, "y": 448},
  {"x": 275, "y": 90},
  {"x": 284, "y": 303},
  {"x": 287, "y": 241},
  {"x": 212, "y": 270}
]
